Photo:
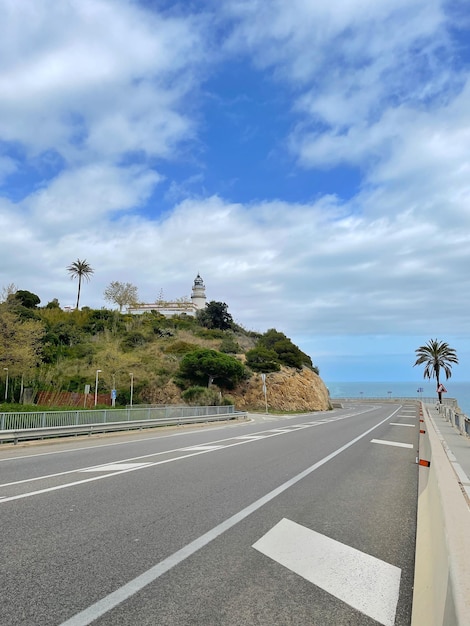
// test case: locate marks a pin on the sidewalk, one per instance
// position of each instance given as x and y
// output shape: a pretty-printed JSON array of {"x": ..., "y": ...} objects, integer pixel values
[{"x": 456, "y": 446}]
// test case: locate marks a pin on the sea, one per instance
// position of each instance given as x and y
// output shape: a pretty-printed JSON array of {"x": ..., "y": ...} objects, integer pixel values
[{"x": 460, "y": 391}]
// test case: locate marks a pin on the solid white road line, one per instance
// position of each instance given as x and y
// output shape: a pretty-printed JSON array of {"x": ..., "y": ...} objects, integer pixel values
[
  {"x": 115, "y": 598},
  {"x": 364, "y": 582},
  {"x": 392, "y": 443},
  {"x": 398, "y": 424}
]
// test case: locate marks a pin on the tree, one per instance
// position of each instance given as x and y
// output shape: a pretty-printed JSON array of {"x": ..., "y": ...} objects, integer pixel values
[
  {"x": 287, "y": 352},
  {"x": 121, "y": 294},
  {"x": 436, "y": 356},
  {"x": 25, "y": 298},
  {"x": 80, "y": 269},
  {"x": 9, "y": 290},
  {"x": 204, "y": 367},
  {"x": 261, "y": 359},
  {"x": 215, "y": 315},
  {"x": 20, "y": 344},
  {"x": 53, "y": 304}
]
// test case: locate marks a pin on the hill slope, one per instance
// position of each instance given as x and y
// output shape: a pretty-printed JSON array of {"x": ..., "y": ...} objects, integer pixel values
[{"x": 55, "y": 351}]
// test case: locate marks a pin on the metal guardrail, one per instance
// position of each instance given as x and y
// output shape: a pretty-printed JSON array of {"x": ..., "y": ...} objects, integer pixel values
[
  {"x": 23, "y": 426},
  {"x": 459, "y": 421}
]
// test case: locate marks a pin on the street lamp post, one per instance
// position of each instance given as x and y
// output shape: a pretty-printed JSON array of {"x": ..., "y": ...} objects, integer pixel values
[
  {"x": 6, "y": 383},
  {"x": 96, "y": 386},
  {"x": 132, "y": 386}
]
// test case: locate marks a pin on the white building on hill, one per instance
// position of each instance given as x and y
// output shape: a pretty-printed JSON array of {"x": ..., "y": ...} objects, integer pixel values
[{"x": 182, "y": 305}]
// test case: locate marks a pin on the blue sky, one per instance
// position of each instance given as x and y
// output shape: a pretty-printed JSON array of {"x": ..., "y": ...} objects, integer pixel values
[{"x": 310, "y": 159}]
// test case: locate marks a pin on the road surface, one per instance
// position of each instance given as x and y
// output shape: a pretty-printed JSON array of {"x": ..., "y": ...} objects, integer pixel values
[{"x": 298, "y": 520}]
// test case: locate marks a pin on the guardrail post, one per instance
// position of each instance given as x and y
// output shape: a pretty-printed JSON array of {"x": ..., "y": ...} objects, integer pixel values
[
  {"x": 43, "y": 420},
  {"x": 2, "y": 426},
  {"x": 105, "y": 416}
]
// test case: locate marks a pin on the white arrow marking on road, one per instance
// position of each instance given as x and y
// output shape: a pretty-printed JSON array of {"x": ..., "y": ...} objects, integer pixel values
[
  {"x": 362, "y": 581},
  {"x": 392, "y": 443}
]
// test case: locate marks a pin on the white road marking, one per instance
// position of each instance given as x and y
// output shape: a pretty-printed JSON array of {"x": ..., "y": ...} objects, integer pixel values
[
  {"x": 21, "y": 496},
  {"x": 392, "y": 443},
  {"x": 399, "y": 424},
  {"x": 364, "y": 582},
  {"x": 278, "y": 431},
  {"x": 250, "y": 437},
  {"x": 140, "y": 439},
  {"x": 93, "y": 612},
  {"x": 208, "y": 448},
  {"x": 115, "y": 467}
]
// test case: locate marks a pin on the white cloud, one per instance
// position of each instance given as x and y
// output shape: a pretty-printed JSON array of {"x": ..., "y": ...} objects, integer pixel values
[
  {"x": 82, "y": 73},
  {"x": 88, "y": 195},
  {"x": 371, "y": 85},
  {"x": 276, "y": 264}
]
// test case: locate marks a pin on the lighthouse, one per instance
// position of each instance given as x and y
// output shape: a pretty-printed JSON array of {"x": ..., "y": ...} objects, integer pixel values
[{"x": 198, "y": 294}]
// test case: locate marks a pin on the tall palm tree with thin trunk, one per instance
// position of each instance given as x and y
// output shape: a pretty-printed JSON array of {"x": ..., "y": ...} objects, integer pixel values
[
  {"x": 436, "y": 356},
  {"x": 80, "y": 269}
]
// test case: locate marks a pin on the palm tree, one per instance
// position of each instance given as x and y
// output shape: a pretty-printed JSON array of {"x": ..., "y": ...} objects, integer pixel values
[
  {"x": 80, "y": 269},
  {"x": 436, "y": 355}
]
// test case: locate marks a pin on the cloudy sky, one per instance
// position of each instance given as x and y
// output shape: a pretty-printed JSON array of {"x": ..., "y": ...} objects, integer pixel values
[{"x": 310, "y": 158}]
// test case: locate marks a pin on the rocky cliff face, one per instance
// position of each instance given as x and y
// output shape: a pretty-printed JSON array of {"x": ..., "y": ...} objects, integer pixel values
[{"x": 287, "y": 390}]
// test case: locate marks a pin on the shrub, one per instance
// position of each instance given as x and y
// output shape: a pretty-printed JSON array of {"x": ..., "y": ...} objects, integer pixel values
[
  {"x": 229, "y": 345},
  {"x": 180, "y": 347}
]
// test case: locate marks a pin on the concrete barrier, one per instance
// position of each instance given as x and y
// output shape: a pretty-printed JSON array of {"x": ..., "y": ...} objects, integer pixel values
[{"x": 442, "y": 567}]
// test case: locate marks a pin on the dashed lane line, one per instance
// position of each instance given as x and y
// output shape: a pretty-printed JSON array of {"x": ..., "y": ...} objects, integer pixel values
[{"x": 398, "y": 444}]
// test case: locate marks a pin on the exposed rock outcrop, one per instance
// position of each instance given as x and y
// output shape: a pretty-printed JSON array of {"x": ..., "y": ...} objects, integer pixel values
[{"x": 287, "y": 390}]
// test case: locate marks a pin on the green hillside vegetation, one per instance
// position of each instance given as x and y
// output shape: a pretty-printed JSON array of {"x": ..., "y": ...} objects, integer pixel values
[{"x": 183, "y": 358}]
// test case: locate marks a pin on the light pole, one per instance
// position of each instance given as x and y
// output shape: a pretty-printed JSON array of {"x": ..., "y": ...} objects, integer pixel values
[
  {"x": 132, "y": 386},
  {"x": 96, "y": 386},
  {"x": 6, "y": 383}
]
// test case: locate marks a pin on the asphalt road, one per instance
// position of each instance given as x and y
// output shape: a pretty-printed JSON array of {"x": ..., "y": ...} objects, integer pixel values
[{"x": 305, "y": 520}]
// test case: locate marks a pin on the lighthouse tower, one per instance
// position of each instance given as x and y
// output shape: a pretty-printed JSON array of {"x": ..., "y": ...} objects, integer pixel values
[{"x": 198, "y": 294}]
